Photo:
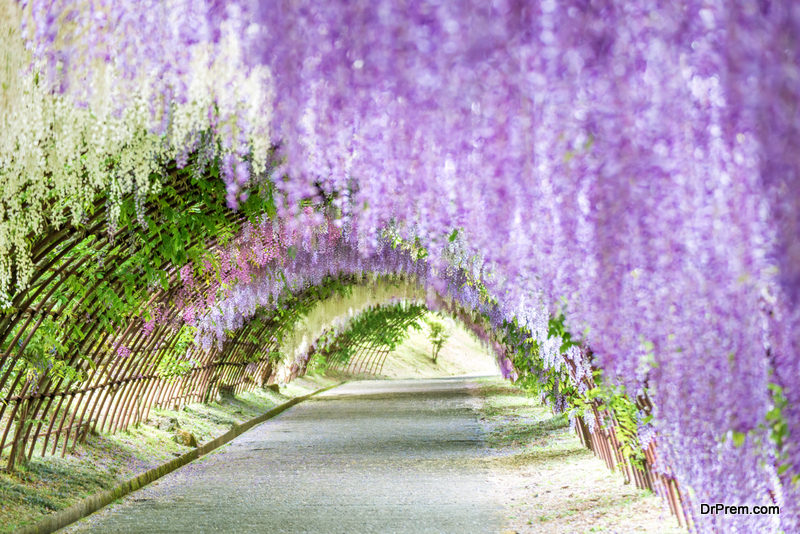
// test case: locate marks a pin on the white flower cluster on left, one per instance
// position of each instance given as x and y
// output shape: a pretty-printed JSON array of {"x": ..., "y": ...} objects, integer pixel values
[{"x": 71, "y": 135}]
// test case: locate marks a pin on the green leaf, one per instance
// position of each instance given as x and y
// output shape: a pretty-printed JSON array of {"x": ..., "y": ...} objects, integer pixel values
[{"x": 774, "y": 414}]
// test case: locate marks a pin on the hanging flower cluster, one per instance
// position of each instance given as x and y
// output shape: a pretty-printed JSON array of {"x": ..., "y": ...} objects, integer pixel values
[{"x": 97, "y": 98}]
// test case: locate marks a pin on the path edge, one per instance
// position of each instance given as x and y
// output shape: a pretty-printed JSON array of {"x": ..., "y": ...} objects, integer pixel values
[{"x": 93, "y": 503}]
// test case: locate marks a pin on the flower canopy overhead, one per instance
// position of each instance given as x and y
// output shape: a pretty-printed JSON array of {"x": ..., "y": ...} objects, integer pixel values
[{"x": 634, "y": 165}]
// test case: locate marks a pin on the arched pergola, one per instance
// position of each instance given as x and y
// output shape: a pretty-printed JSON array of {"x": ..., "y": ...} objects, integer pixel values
[{"x": 607, "y": 192}]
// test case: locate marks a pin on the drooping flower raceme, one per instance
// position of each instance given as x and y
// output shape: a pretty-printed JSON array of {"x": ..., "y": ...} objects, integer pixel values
[{"x": 97, "y": 98}]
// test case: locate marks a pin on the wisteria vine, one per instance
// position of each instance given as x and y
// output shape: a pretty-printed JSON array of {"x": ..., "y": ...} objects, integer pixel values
[{"x": 632, "y": 165}]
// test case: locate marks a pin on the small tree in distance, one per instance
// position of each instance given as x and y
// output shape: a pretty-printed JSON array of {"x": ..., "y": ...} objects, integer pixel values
[{"x": 437, "y": 335}]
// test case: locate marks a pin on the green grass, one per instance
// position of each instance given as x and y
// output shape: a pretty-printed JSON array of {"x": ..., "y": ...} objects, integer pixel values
[
  {"x": 517, "y": 417},
  {"x": 522, "y": 429},
  {"x": 51, "y": 483},
  {"x": 461, "y": 354}
]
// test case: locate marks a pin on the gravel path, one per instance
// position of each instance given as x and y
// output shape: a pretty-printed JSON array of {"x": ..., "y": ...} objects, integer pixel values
[{"x": 369, "y": 456}]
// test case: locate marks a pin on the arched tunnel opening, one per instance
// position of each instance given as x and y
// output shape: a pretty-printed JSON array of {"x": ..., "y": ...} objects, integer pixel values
[{"x": 201, "y": 338}]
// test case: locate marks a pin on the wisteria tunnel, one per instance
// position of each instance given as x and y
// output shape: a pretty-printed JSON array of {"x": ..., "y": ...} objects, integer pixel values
[{"x": 203, "y": 198}]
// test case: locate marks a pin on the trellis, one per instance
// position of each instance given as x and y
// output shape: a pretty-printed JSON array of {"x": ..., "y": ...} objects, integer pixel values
[
  {"x": 367, "y": 348},
  {"x": 75, "y": 274},
  {"x": 108, "y": 392},
  {"x": 119, "y": 393},
  {"x": 50, "y": 412}
]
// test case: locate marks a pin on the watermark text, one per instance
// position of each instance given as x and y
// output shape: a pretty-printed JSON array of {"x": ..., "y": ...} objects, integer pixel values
[{"x": 719, "y": 508}]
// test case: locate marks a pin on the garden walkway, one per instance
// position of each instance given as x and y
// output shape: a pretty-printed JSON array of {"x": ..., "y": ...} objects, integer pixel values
[{"x": 368, "y": 456}]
